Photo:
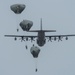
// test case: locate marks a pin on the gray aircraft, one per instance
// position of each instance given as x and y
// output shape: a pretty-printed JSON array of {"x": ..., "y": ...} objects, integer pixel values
[{"x": 41, "y": 37}]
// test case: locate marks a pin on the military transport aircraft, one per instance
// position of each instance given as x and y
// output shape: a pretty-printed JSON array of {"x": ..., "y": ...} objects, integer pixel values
[{"x": 41, "y": 37}]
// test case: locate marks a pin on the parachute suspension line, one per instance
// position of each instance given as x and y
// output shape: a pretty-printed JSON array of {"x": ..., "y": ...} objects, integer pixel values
[
  {"x": 18, "y": 21},
  {"x": 35, "y": 52},
  {"x": 36, "y": 61},
  {"x": 26, "y": 46}
]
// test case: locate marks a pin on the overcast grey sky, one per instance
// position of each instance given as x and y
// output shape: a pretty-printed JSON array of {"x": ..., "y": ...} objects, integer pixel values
[{"x": 56, "y": 58}]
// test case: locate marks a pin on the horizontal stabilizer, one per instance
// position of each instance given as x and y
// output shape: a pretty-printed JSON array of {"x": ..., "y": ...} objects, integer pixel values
[
  {"x": 41, "y": 30},
  {"x": 49, "y": 30}
]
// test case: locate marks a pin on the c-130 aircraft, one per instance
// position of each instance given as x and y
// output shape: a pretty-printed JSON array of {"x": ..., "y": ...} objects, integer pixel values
[{"x": 41, "y": 37}]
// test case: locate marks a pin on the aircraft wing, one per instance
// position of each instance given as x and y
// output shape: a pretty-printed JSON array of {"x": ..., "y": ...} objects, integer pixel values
[
  {"x": 22, "y": 37},
  {"x": 42, "y": 30},
  {"x": 19, "y": 36},
  {"x": 61, "y": 35}
]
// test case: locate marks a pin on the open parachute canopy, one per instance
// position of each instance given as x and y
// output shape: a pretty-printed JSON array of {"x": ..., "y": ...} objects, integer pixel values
[
  {"x": 35, "y": 51},
  {"x": 26, "y": 25},
  {"x": 17, "y": 8}
]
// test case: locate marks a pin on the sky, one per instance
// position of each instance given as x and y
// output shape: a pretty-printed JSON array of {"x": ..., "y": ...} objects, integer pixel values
[{"x": 55, "y": 58}]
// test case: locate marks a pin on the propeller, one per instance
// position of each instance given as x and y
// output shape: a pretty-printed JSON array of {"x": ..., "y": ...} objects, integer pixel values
[
  {"x": 32, "y": 39},
  {"x": 22, "y": 39},
  {"x": 59, "y": 38},
  {"x": 55, "y": 38},
  {"x": 50, "y": 39},
  {"x": 26, "y": 38}
]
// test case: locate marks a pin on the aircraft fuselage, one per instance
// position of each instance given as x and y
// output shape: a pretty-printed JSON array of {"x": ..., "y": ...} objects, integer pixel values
[{"x": 41, "y": 38}]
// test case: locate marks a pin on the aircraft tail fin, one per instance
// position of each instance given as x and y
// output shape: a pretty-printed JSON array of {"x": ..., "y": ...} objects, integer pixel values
[
  {"x": 41, "y": 23},
  {"x": 41, "y": 28},
  {"x": 45, "y": 30}
]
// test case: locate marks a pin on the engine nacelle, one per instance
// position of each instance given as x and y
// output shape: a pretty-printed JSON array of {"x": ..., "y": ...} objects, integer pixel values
[
  {"x": 66, "y": 38},
  {"x": 15, "y": 38}
]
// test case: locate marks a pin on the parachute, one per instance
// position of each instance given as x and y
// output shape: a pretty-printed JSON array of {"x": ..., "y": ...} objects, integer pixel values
[
  {"x": 17, "y": 8},
  {"x": 35, "y": 52},
  {"x": 26, "y": 25}
]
